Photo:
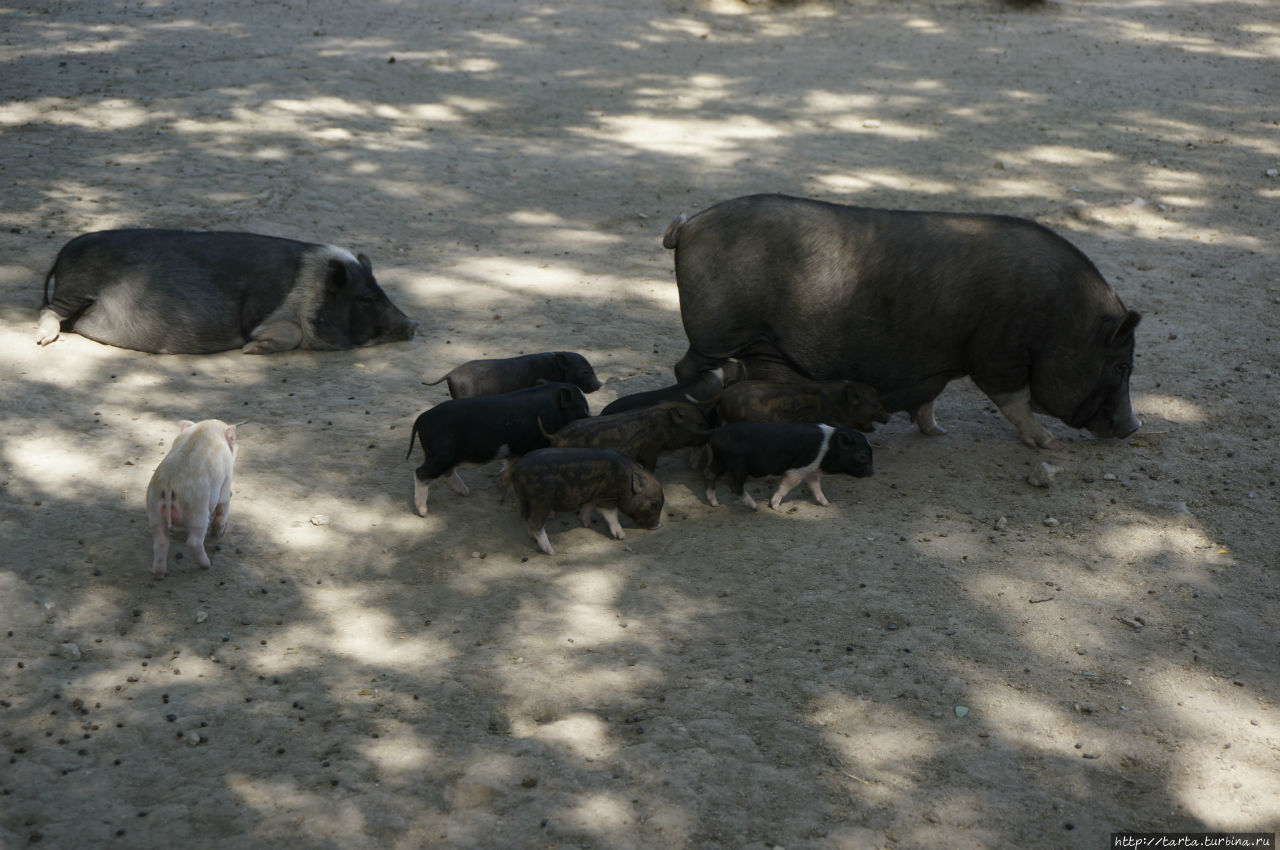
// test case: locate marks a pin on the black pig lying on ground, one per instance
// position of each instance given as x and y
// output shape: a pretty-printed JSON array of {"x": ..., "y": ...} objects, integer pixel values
[
  {"x": 906, "y": 302},
  {"x": 185, "y": 292},
  {"x": 551, "y": 480},
  {"x": 475, "y": 431},
  {"x": 796, "y": 452},
  {"x": 504, "y": 374}
]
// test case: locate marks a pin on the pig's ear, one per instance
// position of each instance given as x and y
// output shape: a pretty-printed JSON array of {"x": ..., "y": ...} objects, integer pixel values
[
  {"x": 1120, "y": 331},
  {"x": 562, "y": 362},
  {"x": 185, "y": 424},
  {"x": 337, "y": 278},
  {"x": 637, "y": 482},
  {"x": 365, "y": 262},
  {"x": 231, "y": 437}
]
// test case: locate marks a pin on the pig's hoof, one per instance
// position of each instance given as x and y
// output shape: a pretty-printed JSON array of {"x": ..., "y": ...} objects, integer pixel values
[
  {"x": 1043, "y": 440},
  {"x": 932, "y": 429},
  {"x": 421, "y": 509}
]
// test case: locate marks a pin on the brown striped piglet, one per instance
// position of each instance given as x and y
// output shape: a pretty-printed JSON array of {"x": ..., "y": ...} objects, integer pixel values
[
  {"x": 191, "y": 488},
  {"x": 552, "y": 480},
  {"x": 642, "y": 434}
]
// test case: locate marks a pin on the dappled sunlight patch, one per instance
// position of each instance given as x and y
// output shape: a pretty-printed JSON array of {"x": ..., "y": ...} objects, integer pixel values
[
  {"x": 399, "y": 751},
  {"x": 1169, "y": 407},
  {"x": 604, "y": 814},
  {"x": 108, "y": 114},
  {"x": 1136, "y": 541},
  {"x": 873, "y": 181},
  {"x": 882, "y": 754},
  {"x": 1066, "y": 155},
  {"x": 356, "y": 626},
  {"x": 713, "y": 141},
  {"x": 580, "y": 735},
  {"x": 299, "y": 814}
]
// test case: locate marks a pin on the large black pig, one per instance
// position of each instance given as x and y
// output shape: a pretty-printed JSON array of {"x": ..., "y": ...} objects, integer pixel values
[
  {"x": 187, "y": 292},
  {"x": 906, "y": 302}
]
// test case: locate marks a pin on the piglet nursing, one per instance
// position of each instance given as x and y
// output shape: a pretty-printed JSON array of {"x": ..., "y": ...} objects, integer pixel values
[{"x": 192, "y": 488}]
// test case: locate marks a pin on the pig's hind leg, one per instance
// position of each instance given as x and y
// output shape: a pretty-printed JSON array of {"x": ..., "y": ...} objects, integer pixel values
[
  {"x": 197, "y": 527},
  {"x": 160, "y": 544}
]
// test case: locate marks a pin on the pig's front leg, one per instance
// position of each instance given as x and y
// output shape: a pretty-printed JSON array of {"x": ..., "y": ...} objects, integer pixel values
[
  {"x": 1016, "y": 407},
  {"x": 269, "y": 337},
  {"x": 611, "y": 517},
  {"x": 925, "y": 420},
  {"x": 815, "y": 486},
  {"x": 789, "y": 481}
]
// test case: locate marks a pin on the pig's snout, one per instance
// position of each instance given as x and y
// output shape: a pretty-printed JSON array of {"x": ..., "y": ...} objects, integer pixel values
[{"x": 1123, "y": 427}]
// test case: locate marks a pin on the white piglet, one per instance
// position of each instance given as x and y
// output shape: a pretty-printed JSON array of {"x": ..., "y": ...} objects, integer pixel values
[{"x": 192, "y": 488}]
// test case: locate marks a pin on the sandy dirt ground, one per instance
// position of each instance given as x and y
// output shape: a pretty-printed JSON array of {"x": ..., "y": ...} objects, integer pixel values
[{"x": 947, "y": 656}]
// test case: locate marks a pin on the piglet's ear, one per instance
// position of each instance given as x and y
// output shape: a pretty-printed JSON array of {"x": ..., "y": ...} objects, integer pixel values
[
  {"x": 231, "y": 437},
  {"x": 185, "y": 424},
  {"x": 637, "y": 482},
  {"x": 364, "y": 260}
]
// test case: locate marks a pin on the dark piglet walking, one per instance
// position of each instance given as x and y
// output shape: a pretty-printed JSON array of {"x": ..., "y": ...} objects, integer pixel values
[
  {"x": 502, "y": 375},
  {"x": 796, "y": 452},
  {"x": 189, "y": 292},
  {"x": 554, "y": 480},
  {"x": 475, "y": 431}
]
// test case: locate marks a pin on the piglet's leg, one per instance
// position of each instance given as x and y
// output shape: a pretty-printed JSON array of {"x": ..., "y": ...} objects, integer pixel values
[
  {"x": 611, "y": 517},
  {"x": 814, "y": 480},
  {"x": 160, "y": 548},
  {"x": 221, "y": 514},
  {"x": 788, "y": 482},
  {"x": 1016, "y": 407},
  {"x": 195, "y": 538},
  {"x": 543, "y": 543},
  {"x": 459, "y": 486},
  {"x": 746, "y": 499},
  {"x": 419, "y": 496},
  {"x": 584, "y": 514},
  {"x": 711, "y": 497}
]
